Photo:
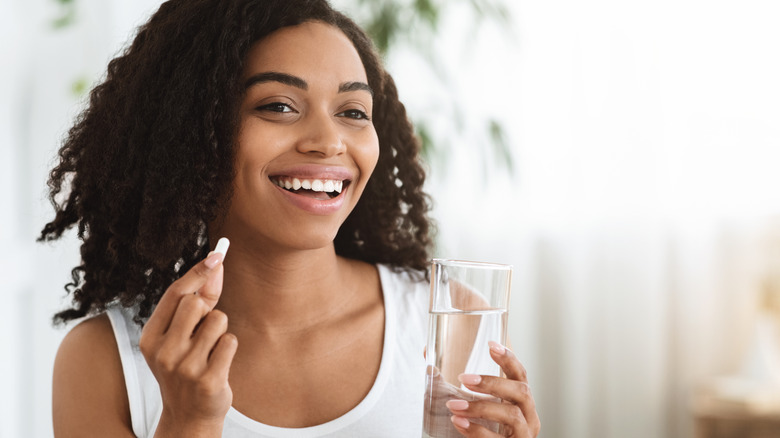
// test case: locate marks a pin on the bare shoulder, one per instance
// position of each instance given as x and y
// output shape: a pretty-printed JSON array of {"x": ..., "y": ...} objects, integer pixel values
[{"x": 89, "y": 392}]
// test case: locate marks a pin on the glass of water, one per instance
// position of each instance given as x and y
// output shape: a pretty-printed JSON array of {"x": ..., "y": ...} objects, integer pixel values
[{"x": 468, "y": 308}]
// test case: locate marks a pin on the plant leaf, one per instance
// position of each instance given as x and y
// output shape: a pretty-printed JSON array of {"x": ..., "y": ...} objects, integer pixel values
[{"x": 500, "y": 144}]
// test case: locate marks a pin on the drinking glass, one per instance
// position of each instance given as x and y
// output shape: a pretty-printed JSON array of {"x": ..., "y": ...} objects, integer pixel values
[{"x": 468, "y": 308}]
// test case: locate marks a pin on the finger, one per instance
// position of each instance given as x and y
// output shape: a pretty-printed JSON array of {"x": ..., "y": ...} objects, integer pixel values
[
  {"x": 213, "y": 325},
  {"x": 515, "y": 371},
  {"x": 508, "y": 362},
  {"x": 170, "y": 348},
  {"x": 208, "y": 332},
  {"x": 222, "y": 356},
  {"x": 193, "y": 280},
  {"x": 505, "y": 389},
  {"x": 212, "y": 289},
  {"x": 472, "y": 430},
  {"x": 512, "y": 391},
  {"x": 189, "y": 313},
  {"x": 462, "y": 424},
  {"x": 493, "y": 412}
]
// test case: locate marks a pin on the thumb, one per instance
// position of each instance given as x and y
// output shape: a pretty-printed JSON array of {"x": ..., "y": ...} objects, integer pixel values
[{"x": 212, "y": 288}]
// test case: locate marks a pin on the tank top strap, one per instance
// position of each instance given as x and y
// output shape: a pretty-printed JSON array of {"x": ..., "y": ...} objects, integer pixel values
[{"x": 143, "y": 392}]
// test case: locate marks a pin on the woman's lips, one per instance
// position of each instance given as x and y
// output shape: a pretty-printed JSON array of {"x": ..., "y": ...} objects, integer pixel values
[
  {"x": 316, "y": 189},
  {"x": 316, "y": 199}
]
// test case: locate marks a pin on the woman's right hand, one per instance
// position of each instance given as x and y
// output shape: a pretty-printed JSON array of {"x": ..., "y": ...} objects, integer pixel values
[{"x": 187, "y": 346}]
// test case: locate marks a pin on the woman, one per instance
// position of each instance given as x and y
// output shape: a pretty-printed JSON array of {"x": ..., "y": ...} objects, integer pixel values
[{"x": 271, "y": 123}]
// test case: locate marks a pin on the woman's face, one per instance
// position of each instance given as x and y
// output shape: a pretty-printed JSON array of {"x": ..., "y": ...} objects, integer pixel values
[{"x": 306, "y": 145}]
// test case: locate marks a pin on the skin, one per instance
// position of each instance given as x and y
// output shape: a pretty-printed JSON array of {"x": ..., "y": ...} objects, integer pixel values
[
  {"x": 286, "y": 331},
  {"x": 517, "y": 411}
]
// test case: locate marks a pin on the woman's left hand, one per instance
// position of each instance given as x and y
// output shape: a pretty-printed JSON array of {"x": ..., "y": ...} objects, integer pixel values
[{"x": 516, "y": 412}]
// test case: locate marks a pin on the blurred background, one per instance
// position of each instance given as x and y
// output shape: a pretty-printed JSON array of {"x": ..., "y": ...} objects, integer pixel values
[{"x": 622, "y": 155}]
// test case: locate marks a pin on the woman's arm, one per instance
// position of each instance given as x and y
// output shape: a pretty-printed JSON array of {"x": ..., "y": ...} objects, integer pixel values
[
  {"x": 187, "y": 348},
  {"x": 89, "y": 397}
]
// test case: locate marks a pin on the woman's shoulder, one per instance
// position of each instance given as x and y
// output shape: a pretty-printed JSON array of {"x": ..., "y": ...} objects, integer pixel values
[
  {"x": 391, "y": 278},
  {"x": 97, "y": 326},
  {"x": 403, "y": 275},
  {"x": 96, "y": 337},
  {"x": 88, "y": 368},
  {"x": 90, "y": 339},
  {"x": 407, "y": 288}
]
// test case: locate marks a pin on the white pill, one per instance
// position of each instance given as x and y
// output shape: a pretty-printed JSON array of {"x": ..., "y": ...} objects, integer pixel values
[{"x": 222, "y": 246}]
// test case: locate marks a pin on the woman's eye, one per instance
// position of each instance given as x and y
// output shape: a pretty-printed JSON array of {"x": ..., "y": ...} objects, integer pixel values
[
  {"x": 354, "y": 114},
  {"x": 276, "y": 107}
]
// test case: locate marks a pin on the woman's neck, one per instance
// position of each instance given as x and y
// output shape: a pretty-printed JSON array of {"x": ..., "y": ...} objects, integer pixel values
[{"x": 283, "y": 292}]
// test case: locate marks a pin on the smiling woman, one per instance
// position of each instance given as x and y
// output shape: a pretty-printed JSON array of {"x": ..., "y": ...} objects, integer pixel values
[
  {"x": 304, "y": 116},
  {"x": 274, "y": 126}
]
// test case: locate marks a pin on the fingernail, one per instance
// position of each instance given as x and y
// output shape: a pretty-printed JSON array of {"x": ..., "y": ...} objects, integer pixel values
[
  {"x": 457, "y": 405},
  {"x": 460, "y": 422},
  {"x": 470, "y": 379},
  {"x": 496, "y": 347},
  {"x": 213, "y": 260}
]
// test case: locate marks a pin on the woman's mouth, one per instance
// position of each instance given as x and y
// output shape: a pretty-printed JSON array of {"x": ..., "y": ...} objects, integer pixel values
[{"x": 322, "y": 189}]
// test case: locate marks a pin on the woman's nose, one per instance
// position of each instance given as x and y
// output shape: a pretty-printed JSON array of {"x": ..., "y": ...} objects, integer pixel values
[{"x": 321, "y": 136}]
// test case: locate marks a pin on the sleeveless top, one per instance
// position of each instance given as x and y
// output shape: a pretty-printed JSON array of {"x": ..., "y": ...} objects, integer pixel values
[{"x": 392, "y": 408}]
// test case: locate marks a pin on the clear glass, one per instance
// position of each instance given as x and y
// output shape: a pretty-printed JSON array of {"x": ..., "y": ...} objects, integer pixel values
[{"x": 468, "y": 308}]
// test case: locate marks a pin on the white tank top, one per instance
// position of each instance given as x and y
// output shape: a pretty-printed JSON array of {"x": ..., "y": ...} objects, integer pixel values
[{"x": 392, "y": 408}]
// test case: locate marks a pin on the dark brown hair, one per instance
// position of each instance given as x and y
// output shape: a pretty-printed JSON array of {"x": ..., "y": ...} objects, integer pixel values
[{"x": 143, "y": 169}]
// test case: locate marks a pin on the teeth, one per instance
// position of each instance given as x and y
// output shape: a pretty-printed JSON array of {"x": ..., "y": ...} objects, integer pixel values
[{"x": 316, "y": 185}]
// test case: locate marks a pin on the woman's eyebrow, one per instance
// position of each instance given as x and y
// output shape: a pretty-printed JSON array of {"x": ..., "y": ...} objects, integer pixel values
[
  {"x": 272, "y": 76},
  {"x": 355, "y": 86},
  {"x": 295, "y": 81}
]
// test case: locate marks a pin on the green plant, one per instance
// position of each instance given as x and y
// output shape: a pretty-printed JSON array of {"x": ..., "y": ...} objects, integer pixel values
[{"x": 67, "y": 14}]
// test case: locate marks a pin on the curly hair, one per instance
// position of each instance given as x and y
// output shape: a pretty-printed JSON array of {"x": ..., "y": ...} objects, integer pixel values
[{"x": 149, "y": 163}]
